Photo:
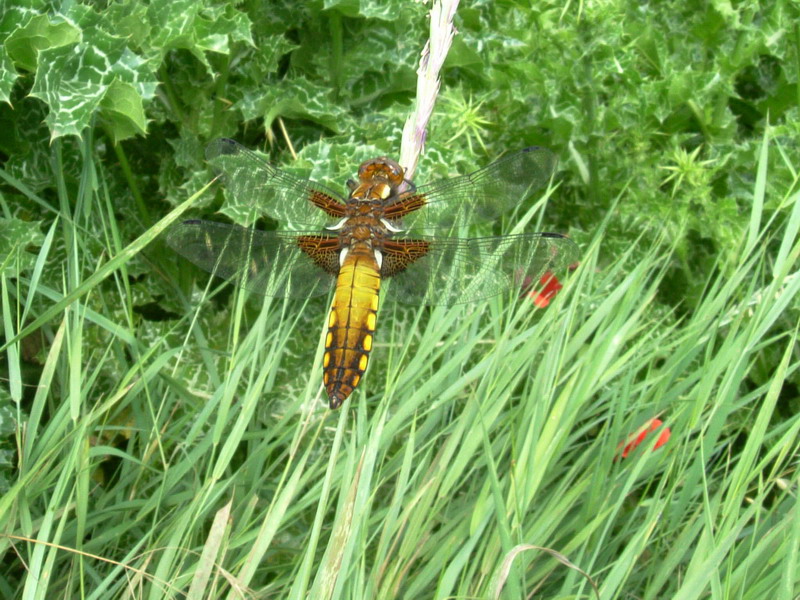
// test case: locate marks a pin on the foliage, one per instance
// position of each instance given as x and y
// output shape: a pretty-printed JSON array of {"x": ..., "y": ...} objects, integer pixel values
[{"x": 174, "y": 426}]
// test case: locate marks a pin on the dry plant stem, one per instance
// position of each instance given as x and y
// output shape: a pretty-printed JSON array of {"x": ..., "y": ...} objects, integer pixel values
[
  {"x": 287, "y": 138},
  {"x": 430, "y": 64}
]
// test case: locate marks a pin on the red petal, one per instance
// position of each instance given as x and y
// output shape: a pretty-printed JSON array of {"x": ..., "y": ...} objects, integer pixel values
[
  {"x": 551, "y": 287},
  {"x": 663, "y": 438},
  {"x": 636, "y": 439},
  {"x": 540, "y": 300}
]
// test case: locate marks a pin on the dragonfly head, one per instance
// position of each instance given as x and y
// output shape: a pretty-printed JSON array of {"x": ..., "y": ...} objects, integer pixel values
[{"x": 381, "y": 170}]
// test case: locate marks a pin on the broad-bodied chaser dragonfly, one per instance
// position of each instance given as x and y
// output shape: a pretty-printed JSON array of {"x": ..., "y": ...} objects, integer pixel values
[{"x": 385, "y": 227}]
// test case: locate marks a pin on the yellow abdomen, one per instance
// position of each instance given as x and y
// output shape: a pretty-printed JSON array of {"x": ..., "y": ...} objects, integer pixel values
[{"x": 351, "y": 324}]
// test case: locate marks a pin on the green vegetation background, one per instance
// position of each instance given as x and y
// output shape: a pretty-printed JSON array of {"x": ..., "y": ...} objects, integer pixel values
[{"x": 162, "y": 438}]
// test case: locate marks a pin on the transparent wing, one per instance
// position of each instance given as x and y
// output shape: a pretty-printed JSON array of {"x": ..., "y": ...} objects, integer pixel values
[
  {"x": 258, "y": 188},
  {"x": 266, "y": 262},
  {"x": 482, "y": 195},
  {"x": 459, "y": 270}
]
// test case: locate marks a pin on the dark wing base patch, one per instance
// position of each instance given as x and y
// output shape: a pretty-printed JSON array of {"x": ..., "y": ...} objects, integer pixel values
[
  {"x": 398, "y": 255},
  {"x": 323, "y": 250}
]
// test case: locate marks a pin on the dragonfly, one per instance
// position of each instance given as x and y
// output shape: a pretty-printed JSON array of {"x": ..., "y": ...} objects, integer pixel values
[{"x": 385, "y": 227}]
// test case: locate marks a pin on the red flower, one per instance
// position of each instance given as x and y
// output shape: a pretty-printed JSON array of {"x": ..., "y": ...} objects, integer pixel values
[
  {"x": 635, "y": 439},
  {"x": 551, "y": 285}
]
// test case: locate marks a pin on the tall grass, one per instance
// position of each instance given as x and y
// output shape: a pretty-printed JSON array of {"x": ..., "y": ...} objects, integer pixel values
[{"x": 196, "y": 458}]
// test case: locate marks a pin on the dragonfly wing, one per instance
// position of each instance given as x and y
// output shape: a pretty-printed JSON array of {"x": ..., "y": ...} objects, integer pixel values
[
  {"x": 257, "y": 188},
  {"x": 272, "y": 263},
  {"x": 479, "y": 196},
  {"x": 431, "y": 270}
]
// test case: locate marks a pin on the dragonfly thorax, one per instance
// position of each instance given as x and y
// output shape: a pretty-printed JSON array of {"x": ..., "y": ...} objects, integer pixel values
[
  {"x": 381, "y": 169},
  {"x": 367, "y": 228},
  {"x": 379, "y": 180}
]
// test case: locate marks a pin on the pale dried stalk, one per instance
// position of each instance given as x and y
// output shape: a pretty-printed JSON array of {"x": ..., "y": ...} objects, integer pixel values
[{"x": 433, "y": 55}]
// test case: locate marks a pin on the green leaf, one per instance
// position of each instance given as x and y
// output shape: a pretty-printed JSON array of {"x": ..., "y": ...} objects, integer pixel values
[
  {"x": 264, "y": 60},
  {"x": 8, "y": 75},
  {"x": 221, "y": 25},
  {"x": 8, "y": 424},
  {"x": 15, "y": 236},
  {"x": 188, "y": 25},
  {"x": 37, "y": 34},
  {"x": 26, "y": 143},
  {"x": 298, "y": 98},
  {"x": 122, "y": 106},
  {"x": 375, "y": 9},
  {"x": 129, "y": 19},
  {"x": 73, "y": 81}
]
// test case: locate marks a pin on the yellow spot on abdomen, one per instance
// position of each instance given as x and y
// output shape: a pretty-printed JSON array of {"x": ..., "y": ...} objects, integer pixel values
[
  {"x": 329, "y": 339},
  {"x": 367, "y": 343},
  {"x": 356, "y": 379},
  {"x": 371, "y": 321},
  {"x": 326, "y": 360},
  {"x": 332, "y": 319},
  {"x": 374, "y": 302},
  {"x": 362, "y": 363}
]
